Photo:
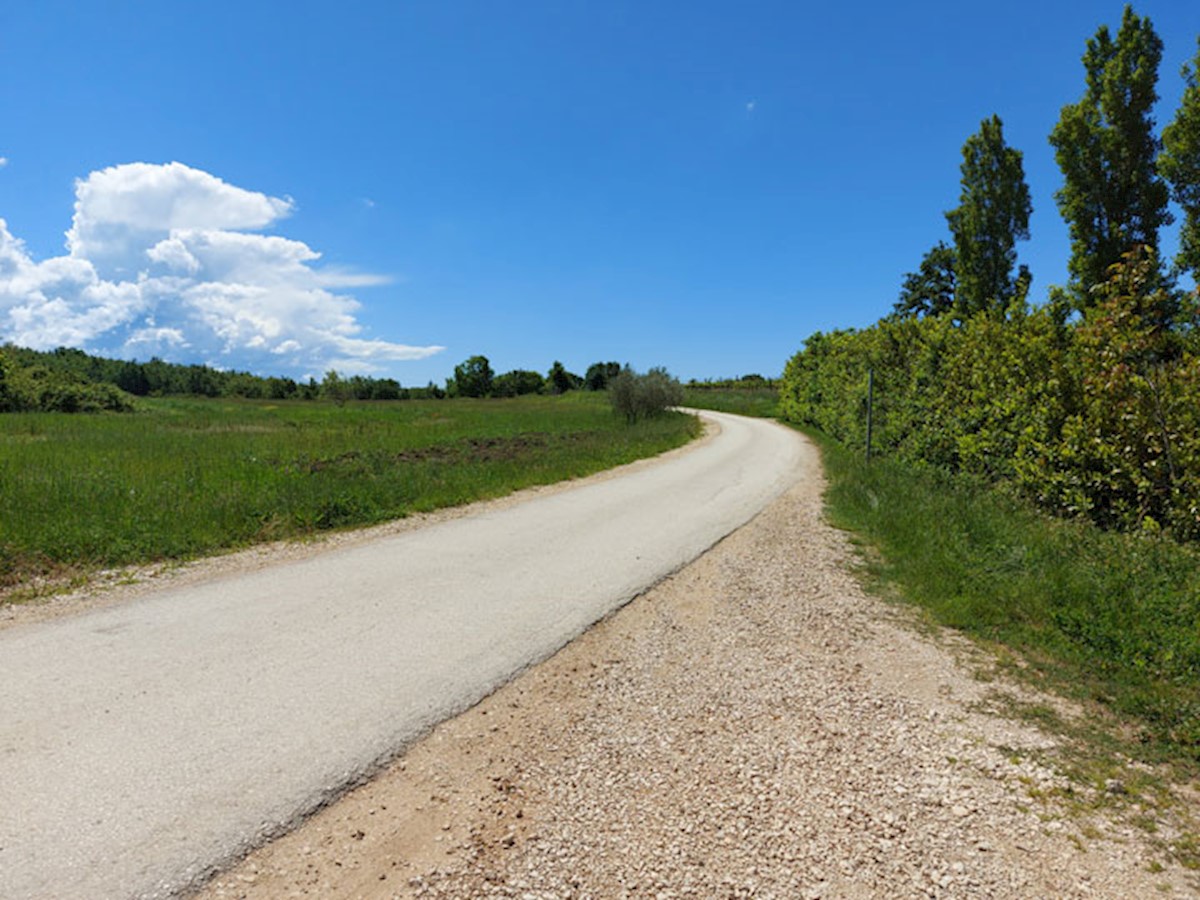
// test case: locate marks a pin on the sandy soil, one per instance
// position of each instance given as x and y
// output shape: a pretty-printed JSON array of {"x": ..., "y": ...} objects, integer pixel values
[{"x": 755, "y": 726}]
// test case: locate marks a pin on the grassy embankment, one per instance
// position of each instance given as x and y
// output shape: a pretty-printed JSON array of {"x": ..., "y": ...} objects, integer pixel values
[
  {"x": 181, "y": 478},
  {"x": 1101, "y": 616}
]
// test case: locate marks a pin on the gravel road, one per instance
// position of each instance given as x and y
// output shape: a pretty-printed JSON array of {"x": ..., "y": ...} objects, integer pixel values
[
  {"x": 145, "y": 741},
  {"x": 754, "y": 726}
]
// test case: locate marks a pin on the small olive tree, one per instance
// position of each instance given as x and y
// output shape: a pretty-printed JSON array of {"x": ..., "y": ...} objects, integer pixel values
[{"x": 637, "y": 396}]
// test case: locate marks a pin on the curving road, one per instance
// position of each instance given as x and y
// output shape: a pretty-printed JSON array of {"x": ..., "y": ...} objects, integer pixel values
[{"x": 140, "y": 745}]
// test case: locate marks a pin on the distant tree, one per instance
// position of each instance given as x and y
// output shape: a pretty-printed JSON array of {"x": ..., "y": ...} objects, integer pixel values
[
  {"x": 1179, "y": 163},
  {"x": 473, "y": 378},
  {"x": 561, "y": 380},
  {"x": 1112, "y": 197},
  {"x": 335, "y": 388},
  {"x": 281, "y": 388},
  {"x": 599, "y": 374},
  {"x": 5, "y": 393},
  {"x": 930, "y": 290},
  {"x": 992, "y": 215},
  {"x": 518, "y": 382},
  {"x": 386, "y": 389}
]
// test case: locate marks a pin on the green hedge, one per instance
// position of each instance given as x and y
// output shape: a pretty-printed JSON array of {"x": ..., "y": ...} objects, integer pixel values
[{"x": 1096, "y": 416}]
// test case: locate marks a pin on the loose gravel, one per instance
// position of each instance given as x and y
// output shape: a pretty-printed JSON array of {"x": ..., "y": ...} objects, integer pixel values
[{"x": 754, "y": 726}]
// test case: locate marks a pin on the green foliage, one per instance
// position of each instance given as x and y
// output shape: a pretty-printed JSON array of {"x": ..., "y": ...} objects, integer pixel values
[
  {"x": 748, "y": 395},
  {"x": 38, "y": 388},
  {"x": 472, "y": 378},
  {"x": 518, "y": 382},
  {"x": 5, "y": 395},
  {"x": 561, "y": 381},
  {"x": 335, "y": 388},
  {"x": 599, "y": 374},
  {"x": 182, "y": 477},
  {"x": 1109, "y": 616},
  {"x": 1099, "y": 417},
  {"x": 1179, "y": 164},
  {"x": 1112, "y": 197},
  {"x": 930, "y": 290},
  {"x": 992, "y": 215},
  {"x": 638, "y": 397},
  {"x": 157, "y": 378}
]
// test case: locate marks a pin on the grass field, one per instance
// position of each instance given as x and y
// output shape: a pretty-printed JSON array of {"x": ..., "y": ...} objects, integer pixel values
[
  {"x": 760, "y": 402},
  {"x": 1099, "y": 615},
  {"x": 181, "y": 478}
]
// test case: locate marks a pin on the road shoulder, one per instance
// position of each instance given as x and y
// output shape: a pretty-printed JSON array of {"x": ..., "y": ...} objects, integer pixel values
[{"x": 754, "y": 725}]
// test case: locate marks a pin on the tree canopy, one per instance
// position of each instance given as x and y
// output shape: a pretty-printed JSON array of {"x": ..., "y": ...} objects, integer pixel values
[
  {"x": 930, "y": 290},
  {"x": 992, "y": 215},
  {"x": 1112, "y": 196}
]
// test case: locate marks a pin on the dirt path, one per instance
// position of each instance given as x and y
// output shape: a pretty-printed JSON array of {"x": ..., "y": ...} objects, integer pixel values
[{"x": 755, "y": 726}]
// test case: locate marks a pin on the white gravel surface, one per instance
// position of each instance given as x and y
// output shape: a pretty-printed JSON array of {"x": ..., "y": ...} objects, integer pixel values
[{"x": 754, "y": 726}]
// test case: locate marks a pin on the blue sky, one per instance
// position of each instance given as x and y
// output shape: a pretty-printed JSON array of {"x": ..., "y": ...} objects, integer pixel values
[{"x": 393, "y": 187}]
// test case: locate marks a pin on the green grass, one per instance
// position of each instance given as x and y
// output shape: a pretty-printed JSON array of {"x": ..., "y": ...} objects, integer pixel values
[
  {"x": 1105, "y": 617},
  {"x": 181, "y": 478},
  {"x": 760, "y": 402}
]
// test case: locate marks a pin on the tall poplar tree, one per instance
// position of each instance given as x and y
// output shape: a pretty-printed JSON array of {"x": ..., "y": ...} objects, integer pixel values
[
  {"x": 992, "y": 215},
  {"x": 1179, "y": 163},
  {"x": 1112, "y": 197}
]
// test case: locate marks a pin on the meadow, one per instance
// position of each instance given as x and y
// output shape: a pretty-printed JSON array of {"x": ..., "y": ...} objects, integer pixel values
[
  {"x": 184, "y": 477},
  {"x": 762, "y": 402}
]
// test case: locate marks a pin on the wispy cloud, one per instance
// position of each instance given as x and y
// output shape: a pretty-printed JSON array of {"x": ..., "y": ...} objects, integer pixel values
[
  {"x": 3, "y": 161},
  {"x": 166, "y": 259},
  {"x": 750, "y": 105}
]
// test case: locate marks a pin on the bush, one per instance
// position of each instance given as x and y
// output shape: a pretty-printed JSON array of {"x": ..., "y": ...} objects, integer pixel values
[
  {"x": 637, "y": 396},
  {"x": 37, "y": 389}
]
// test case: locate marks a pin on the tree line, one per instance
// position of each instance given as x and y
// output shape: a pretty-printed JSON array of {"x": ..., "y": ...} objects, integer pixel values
[
  {"x": 70, "y": 380},
  {"x": 1089, "y": 404}
]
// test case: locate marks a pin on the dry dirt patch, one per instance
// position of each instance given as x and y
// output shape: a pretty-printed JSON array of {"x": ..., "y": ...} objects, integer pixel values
[{"x": 755, "y": 726}]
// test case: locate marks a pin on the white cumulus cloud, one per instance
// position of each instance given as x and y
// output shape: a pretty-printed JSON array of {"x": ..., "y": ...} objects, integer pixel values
[{"x": 167, "y": 259}]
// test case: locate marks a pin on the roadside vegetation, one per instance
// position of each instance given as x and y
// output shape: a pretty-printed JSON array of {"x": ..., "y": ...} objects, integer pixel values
[
  {"x": 1104, "y": 616},
  {"x": 749, "y": 395},
  {"x": 643, "y": 396},
  {"x": 181, "y": 477},
  {"x": 1036, "y": 469}
]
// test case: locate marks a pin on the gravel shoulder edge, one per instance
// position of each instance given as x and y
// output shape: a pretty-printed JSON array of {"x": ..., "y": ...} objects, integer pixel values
[{"x": 760, "y": 689}]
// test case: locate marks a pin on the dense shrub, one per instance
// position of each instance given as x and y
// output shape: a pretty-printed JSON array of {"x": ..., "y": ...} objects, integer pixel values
[
  {"x": 37, "y": 389},
  {"x": 1097, "y": 416},
  {"x": 637, "y": 396}
]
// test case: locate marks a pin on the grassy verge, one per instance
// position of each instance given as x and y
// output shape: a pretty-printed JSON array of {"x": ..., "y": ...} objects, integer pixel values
[
  {"x": 1104, "y": 617},
  {"x": 760, "y": 402},
  {"x": 181, "y": 478}
]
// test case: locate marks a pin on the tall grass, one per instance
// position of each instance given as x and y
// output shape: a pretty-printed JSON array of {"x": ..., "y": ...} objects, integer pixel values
[
  {"x": 1112, "y": 617},
  {"x": 185, "y": 477}
]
